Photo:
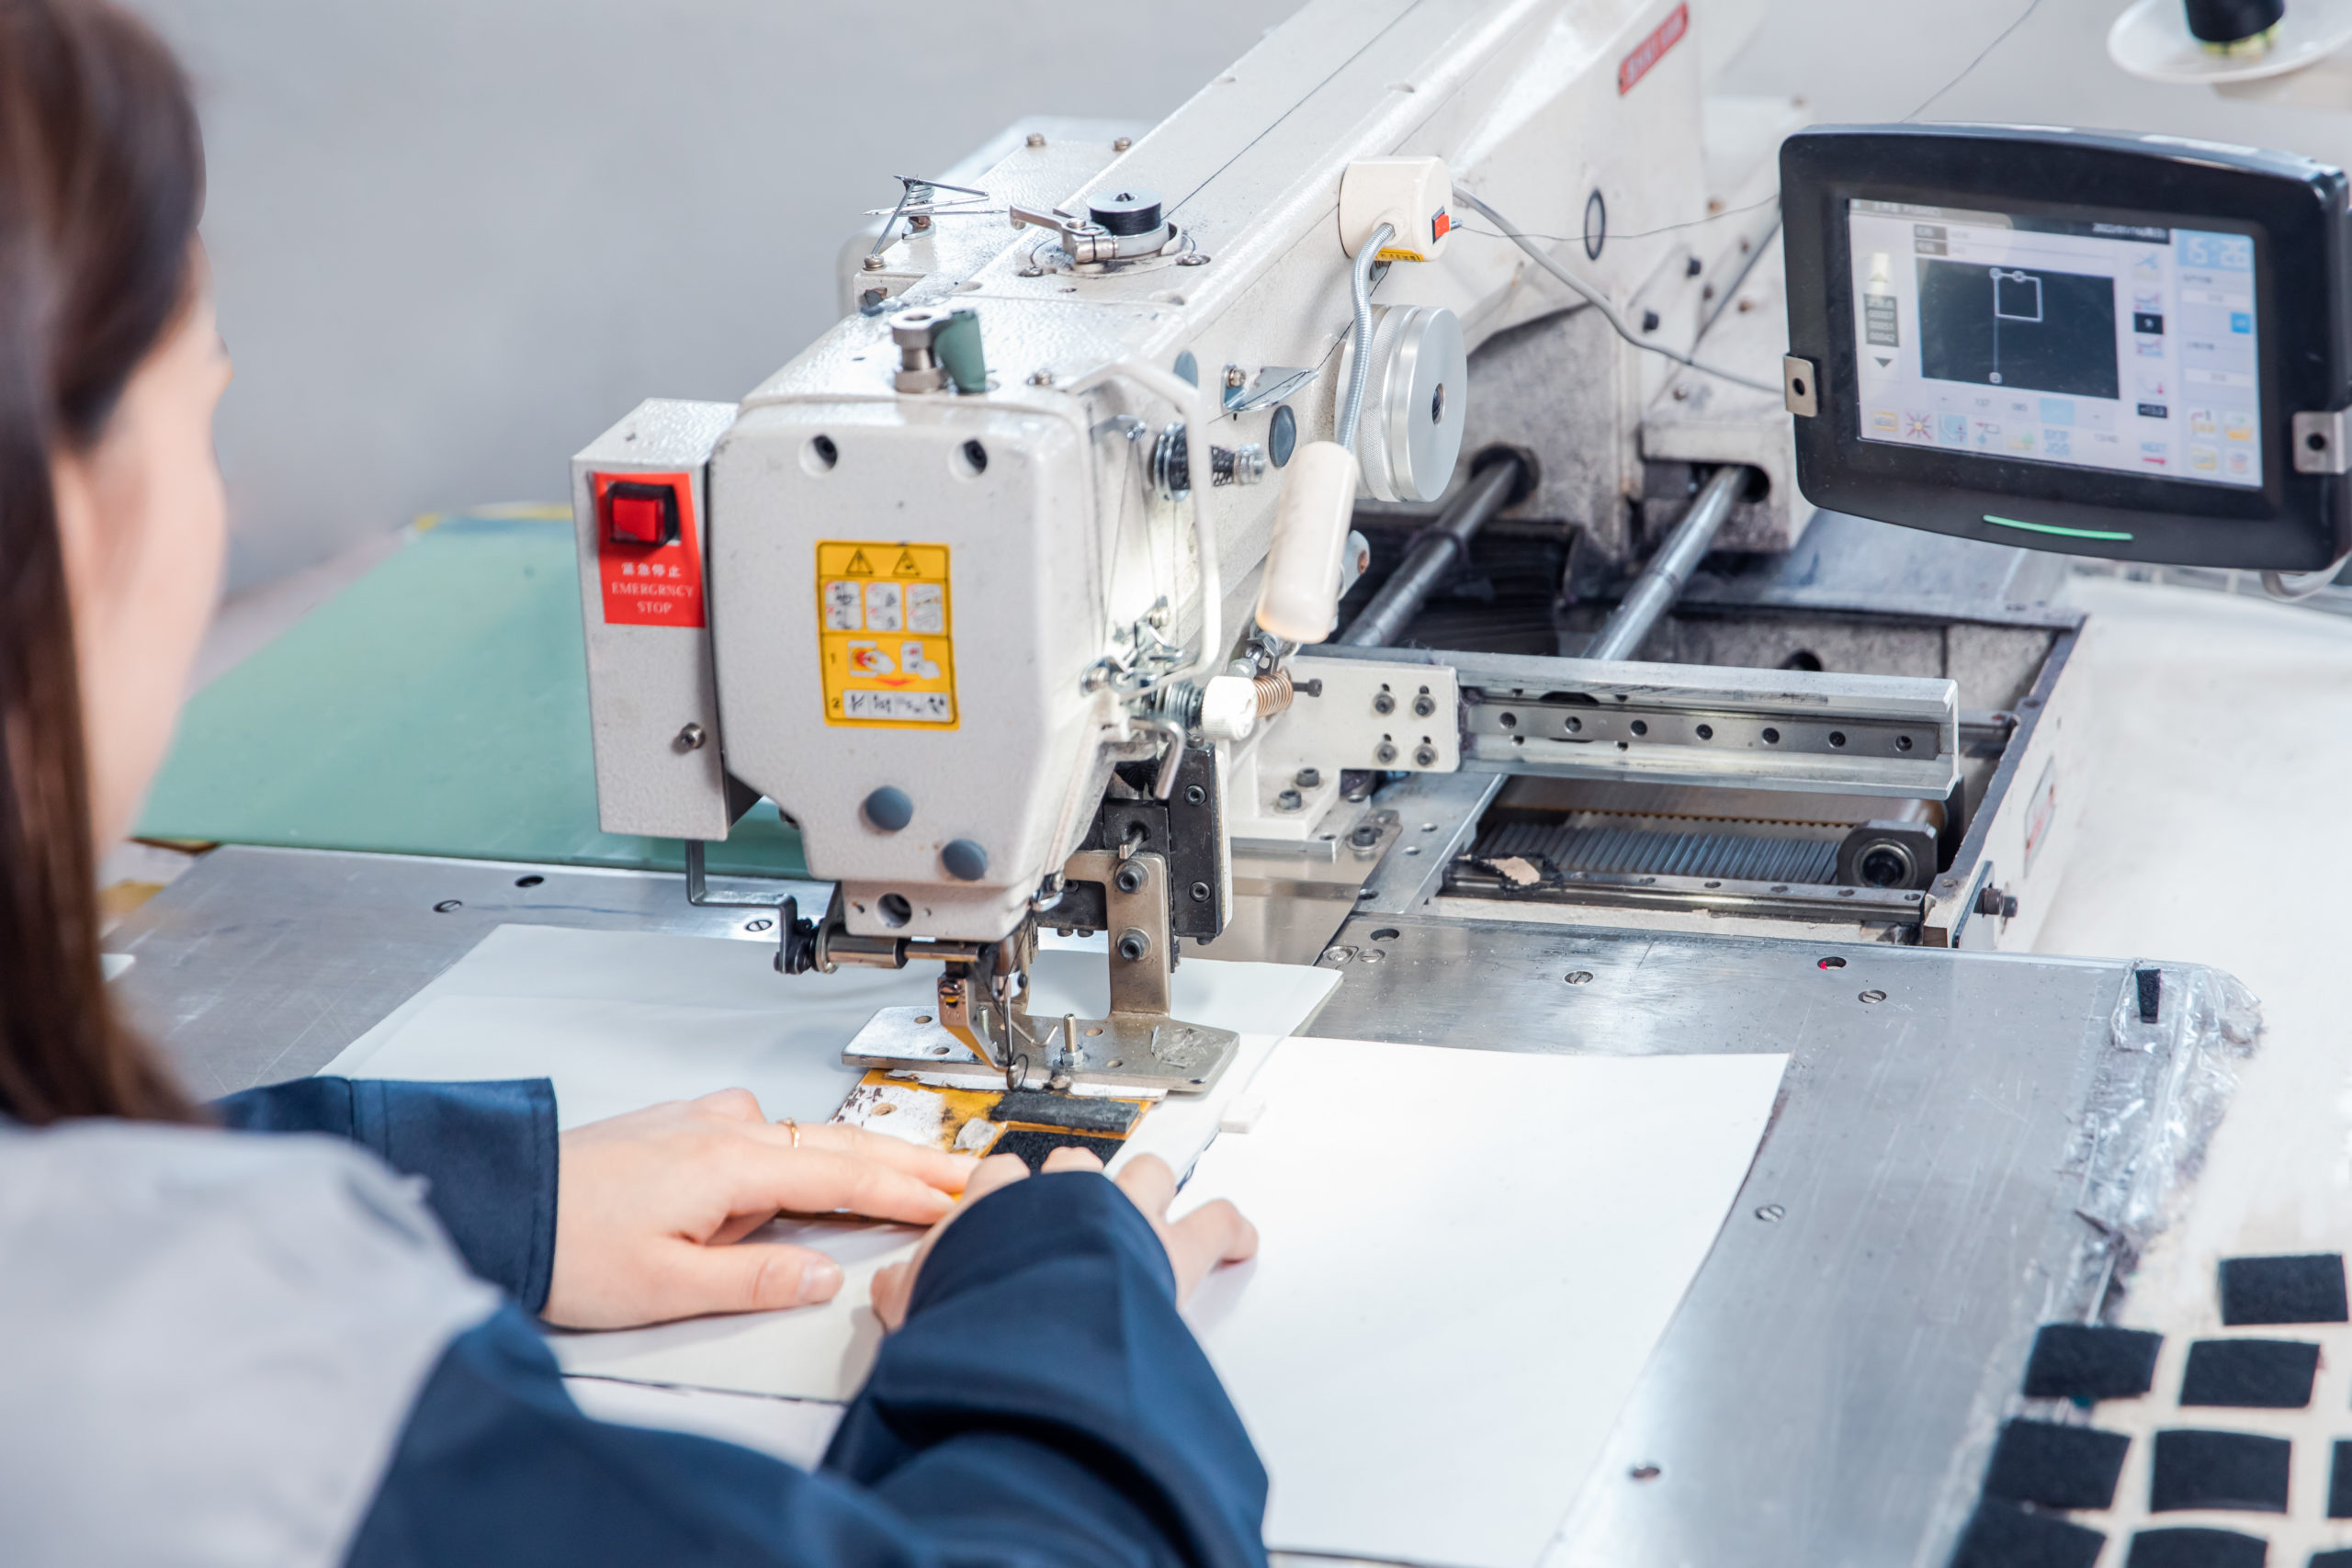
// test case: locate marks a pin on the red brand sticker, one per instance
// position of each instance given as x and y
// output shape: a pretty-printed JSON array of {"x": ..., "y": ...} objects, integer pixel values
[
  {"x": 656, "y": 581},
  {"x": 1652, "y": 50}
]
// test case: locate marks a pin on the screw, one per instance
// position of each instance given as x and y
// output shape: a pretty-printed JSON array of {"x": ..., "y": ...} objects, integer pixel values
[
  {"x": 1424, "y": 706},
  {"x": 1134, "y": 945},
  {"x": 761, "y": 925},
  {"x": 1385, "y": 753},
  {"x": 1649, "y": 320},
  {"x": 1195, "y": 795},
  {"x": 1041, "y": 378},
  {"x": 1128, "y": 878},
  {"x": 873, "y": 264},
  {"x": 1771, "y": 1213},
  {"x": 1036, "y": 139},
  {"x": 1200, "y": 892},
  {"x": 1289, "y": 800},
  {"x": 1874, "y": 996},
  {"x": 1236, "y": 376},
  {"x": 1384, "y": 703},
  {"x": 1310, "y": 778},
  {"x": 1425, "y": 755},
  {"x": 691, "y": 737},
  {"x": 1580, "y": 976},
  {"x": 447, "y": 905},
  {"x": 1365, "y": 836},
  {"x": 1645, "y": 1473},
  {"x": 919, "y": 223},
  {"x": 1122, "y": 143}
]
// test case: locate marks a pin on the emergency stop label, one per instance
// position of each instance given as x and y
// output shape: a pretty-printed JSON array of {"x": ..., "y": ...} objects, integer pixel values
[
  {"x": 885, "y": 634},
  {"x": 650, "y": 582}
]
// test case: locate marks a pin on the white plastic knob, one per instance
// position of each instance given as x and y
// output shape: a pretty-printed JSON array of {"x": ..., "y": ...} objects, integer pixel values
[
  {"x": 1229, "y": 707},
  {"x": 1299, "y": 598}
]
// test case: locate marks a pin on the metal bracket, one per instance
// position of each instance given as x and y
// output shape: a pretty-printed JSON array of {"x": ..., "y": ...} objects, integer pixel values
[
  {"x": 1800, "y": 387},
  {"x": 1363, "y": 713},
  {"x": 2321, "y": 442},
  {"x": 1276, "y": 382}
]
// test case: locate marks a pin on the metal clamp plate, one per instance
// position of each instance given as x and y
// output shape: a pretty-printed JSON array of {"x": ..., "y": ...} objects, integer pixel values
[{"x": 1401, "y": 717}]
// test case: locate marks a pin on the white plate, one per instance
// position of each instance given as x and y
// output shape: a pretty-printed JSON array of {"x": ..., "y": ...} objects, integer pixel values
[{"x": 2152, "y": 39}]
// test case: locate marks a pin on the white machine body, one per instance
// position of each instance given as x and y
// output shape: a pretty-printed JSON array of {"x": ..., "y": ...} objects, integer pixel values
[{"x": 953, "y": 595}]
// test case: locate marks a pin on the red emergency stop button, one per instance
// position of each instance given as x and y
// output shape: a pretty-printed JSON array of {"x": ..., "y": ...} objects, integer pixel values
[{"x": 640, "y": 513}]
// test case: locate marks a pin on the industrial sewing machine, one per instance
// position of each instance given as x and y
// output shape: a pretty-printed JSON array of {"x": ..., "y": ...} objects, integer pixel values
[{"x": 1017, "y": 590}]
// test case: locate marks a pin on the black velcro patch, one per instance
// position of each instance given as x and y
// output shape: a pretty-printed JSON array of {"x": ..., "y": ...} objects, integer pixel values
[
  {"x": 2219, "y": 1470},
  {"x": 2250, "y": 1374},
  {"x": 2339, "y": 1493},
  {"x": 2082, "y": 1360},
  {"x": 1083, "y": 1113},
  {"x": 1033, "y": 1146},
  {"x": 2197, "y": 1549},
  {"x": 2002, "y": 1536},
  {"x": 2058, "y": 1467},
  {"x": 2283, "y": 1290}
]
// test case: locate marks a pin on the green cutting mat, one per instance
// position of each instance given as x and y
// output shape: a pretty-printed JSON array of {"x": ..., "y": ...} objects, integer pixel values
[{"x": 436, "y": 707}]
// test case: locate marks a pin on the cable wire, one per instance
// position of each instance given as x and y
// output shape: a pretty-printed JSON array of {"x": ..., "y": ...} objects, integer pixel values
[{"x": 1599, "y": 301}]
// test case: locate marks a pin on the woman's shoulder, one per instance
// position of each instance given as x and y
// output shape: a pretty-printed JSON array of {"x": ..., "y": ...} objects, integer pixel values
[{"x": 214, "y": 1339}]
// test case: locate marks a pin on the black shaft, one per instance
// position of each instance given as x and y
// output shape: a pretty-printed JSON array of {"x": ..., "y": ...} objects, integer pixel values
[
  {"x": 2232, "y": 21},
  {"x": 1440, "y": 547}
]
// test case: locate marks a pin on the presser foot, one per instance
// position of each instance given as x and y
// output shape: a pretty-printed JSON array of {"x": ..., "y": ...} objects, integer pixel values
[{"x": 1125, "y": 1054}]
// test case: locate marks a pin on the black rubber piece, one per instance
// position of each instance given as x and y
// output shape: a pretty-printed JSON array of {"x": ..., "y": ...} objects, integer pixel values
[
  {"x": 2339, "y": 1490},
  {"x": 2002, "y": 1535},
  {"x": 2236, "y": 1470},
  {"x": 2181, "y": 1548},
  {"x": 1032, "y": 1147},
  {"x": 2152, "y": 993},
  {"x": 2058, "y": 1467},
  {"x": 1080, "y": 1113},
  {"x": 2085, "y": 1361},
  {"x": 2307, "y": 1289},
  {"x": 2250, "y": 1374},
  {"x": 2232, "y": 21}
]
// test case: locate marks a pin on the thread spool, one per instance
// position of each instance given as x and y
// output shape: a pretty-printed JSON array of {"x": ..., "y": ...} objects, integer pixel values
[{"x": 2232, "y": 25}]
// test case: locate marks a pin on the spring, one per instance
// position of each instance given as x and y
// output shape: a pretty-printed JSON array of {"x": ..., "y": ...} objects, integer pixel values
[{"x": 1273, "y": 693}]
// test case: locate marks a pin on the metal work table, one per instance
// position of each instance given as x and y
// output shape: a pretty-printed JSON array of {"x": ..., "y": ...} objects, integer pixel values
[{"x": 1828, "y": 1391}]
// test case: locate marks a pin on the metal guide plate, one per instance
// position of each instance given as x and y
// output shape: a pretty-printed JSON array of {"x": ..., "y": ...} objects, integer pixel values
[{"x": 1124, "y": 1054}]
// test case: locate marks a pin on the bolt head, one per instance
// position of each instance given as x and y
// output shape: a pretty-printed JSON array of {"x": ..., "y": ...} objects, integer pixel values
[
  {"x": 1310, "y": 778},
  {"x": 873, "y": 264},
  {"x": 1289, "y": 800},
  {"x": 1200, "y": 892},
  {"x": 1128, "y": 878},
  {"x": 1122, "y": 143},
  {"x": 1041, "y": 378},
  {"x": 1382, "y": 703},
  {"x": 1425, "y": 756},
  {"x": 1195, "y": 795},
  {"x": 1036, "y": 139},
  {"x": 1385, "y": 753},
  {"x": 1134, "y": 946},
  {"x": 1424, "y": 706}
]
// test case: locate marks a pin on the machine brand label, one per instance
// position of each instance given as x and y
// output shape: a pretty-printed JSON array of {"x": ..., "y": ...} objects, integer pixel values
[
  {"x": 651, "y": 585},
  {"x": 1651, "y": 49},
  {"x": 886, "y": 634}
]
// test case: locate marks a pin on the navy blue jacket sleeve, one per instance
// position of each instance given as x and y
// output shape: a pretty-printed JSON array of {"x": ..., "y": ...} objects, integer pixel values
[
  {"x": 487, "y": 1152},
  {"x": 1043, "y": 1407}
]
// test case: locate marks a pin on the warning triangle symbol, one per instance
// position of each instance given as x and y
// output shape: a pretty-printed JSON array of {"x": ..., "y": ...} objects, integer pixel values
[
  {"x": 906, "y": 567},
  {"x": 859, "y": 566},
  {"x": 1882, "y": 364}
]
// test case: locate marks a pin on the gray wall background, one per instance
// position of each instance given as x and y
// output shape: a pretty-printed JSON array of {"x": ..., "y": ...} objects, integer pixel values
[{"x": 454, "y": 239}]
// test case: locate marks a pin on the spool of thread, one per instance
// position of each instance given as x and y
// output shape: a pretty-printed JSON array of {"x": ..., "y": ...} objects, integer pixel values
[{"x": 2221, "y": 24}]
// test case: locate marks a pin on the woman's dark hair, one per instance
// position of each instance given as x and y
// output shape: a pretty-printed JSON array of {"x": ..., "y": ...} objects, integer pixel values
[{"x": 101, "y": 184}]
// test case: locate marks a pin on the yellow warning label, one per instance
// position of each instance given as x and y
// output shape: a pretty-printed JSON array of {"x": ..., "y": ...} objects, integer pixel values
[{"x": 885, "y": 634}]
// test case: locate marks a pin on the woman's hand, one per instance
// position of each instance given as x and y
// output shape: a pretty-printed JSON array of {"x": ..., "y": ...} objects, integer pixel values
[
  {"x": 1213, "y": 1233},
  {"x": 651, "y": 1208}
]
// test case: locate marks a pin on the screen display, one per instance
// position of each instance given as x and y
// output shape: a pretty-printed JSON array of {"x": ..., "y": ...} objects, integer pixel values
[{"x": 2122, "y": 346}]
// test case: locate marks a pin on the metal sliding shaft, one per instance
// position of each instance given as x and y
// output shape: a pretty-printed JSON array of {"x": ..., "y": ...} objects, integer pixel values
[
  {"x": 1661, "y": 582},
  {"x": 1440, "y": 547}
]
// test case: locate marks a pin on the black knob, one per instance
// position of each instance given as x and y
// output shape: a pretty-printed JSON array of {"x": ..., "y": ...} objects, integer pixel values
[{"x": 1131, "y": 211}]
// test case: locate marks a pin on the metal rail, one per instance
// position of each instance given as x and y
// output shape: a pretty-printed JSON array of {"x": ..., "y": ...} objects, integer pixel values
[
  {"x": 1440, "y": 547},
  {"x": 1661, "y": 582}
]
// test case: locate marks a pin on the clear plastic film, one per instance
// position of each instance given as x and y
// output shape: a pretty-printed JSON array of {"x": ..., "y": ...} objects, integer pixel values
[{"x": 2174, "y": 1040}]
